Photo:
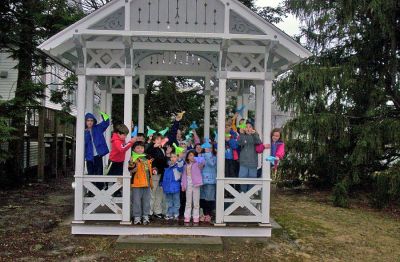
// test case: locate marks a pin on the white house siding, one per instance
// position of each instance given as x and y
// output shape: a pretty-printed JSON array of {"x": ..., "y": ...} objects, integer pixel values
[{"x": 8, "y": 83}]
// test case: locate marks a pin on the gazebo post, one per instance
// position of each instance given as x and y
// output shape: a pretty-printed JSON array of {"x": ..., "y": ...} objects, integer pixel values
[
  {"x": 259, "y": 113},
  {"x": 128, "y": 122},
  {"x": 219, "y": 219},
  {"x": 89, "y": 95},
  {"x": 207, "y": 106},
  {"x": 142, "y": 93},
  {"x": 109, "y": 112},
  {"x": 245, "y": 97},
  {"x": 266, "y": 138},
  {"x": 80, "y": 146}
]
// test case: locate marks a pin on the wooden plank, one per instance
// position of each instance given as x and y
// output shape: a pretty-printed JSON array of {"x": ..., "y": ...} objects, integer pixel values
[{"x": 121, "y": 230}]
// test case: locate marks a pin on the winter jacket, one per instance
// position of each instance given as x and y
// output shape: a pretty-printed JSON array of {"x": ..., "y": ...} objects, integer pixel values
[
  {"x": 230, "y": 147},
  {"x": 171, "y": 182},
  {"x": 197, "y": 179},
  {"x": 138, "y": 173},
  {"x": 248, "y": 155},
  {"x": 118, "y": 148},
  {"x": 210, "y": 169},
  {"x": 99, "y": 142},
  {"x": 172, "y": 133},
  {"x": 160, "y": 160},
  {"x": 278, "y": 150}
]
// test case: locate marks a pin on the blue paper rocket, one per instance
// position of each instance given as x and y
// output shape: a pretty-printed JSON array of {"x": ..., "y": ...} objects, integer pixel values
[
  {"x": 134, "y": 132},
  {"x": 206, "y": 143},
  {"x": 193, "y": 125},
  {"x": 240, "y": 110}
]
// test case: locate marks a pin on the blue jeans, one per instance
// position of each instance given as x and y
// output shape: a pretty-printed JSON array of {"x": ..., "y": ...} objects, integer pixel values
[
  {"x": 95, "y": 167},
  {"x": 247, "y": 172},
  {"x": 174, "y": 203}
]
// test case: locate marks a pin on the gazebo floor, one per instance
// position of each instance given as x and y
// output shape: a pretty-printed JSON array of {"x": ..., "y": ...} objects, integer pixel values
[{"x": 162, "y": 227}]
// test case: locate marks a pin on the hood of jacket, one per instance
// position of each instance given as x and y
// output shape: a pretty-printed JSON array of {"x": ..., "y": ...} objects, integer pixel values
[{"x": 90, "y": 115}]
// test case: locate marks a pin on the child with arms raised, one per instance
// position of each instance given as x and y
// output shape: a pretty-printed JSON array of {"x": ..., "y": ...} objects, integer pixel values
[{"x": 208, "y": 189}]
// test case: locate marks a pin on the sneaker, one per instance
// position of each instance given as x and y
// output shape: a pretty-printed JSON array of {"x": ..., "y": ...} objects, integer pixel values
[
  {"x": 207, "y": 219},
  {"x": 196, "y": 220},
  {"x": 176, "y": 217},
  {"x": 137, "y": 221},
  {"x": 187, "y": 220},
  {"x": 146, "y": 220},
  {"x": 159, "y": 216},
  {"x": 202, "y": 218},
  {"x": 167, "y": 217}
]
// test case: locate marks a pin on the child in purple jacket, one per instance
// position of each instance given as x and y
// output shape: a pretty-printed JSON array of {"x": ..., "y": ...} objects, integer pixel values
[{"x": 191, "y": 182}]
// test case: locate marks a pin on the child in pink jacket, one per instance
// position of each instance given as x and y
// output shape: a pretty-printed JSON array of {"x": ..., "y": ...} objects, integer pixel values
[
  {"x": 277, "y": 146},
  {"x": 191, "y": 182}
]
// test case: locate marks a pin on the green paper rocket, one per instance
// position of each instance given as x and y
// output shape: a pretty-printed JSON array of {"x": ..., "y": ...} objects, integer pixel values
[
  {"x": 242, "y": 126},
  {"x": 136, "y": 156},
  {"x": 178, "y": 149},
  {"x": 164, "y": 131},
  {"x": 150, "y": 131},
  {"x": 104, "y": 116}
]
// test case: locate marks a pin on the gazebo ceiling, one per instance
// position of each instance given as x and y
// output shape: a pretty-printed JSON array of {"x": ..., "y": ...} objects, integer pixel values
[{"x": 192, "y": 32}]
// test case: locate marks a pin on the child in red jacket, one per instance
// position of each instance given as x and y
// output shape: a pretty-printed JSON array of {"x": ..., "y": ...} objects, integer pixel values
[{"x": 118, "y": 150}]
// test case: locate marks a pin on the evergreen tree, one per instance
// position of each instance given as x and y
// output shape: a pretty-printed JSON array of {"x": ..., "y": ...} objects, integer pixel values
[{"x": 347, "y": 97}]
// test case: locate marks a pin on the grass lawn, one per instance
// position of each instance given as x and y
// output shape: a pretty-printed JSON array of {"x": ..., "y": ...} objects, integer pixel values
[{"x": 32, "y": 229}]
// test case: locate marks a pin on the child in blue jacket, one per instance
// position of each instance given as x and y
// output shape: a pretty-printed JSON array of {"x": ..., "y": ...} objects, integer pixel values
[
  {"x": 95, "y": 143},
  {"x": 171, "y": 185},
  {"x": 208, "y": 189}
]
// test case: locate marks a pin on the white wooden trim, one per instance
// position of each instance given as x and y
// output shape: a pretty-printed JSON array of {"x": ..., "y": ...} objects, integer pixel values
[
  {"x": 127, "y": 117},
  {"x": 221, "y": 153},
  {"x": 80, "y": 147},
  {"x": 177, "y": 47},
  {"x": 105, "y": 71},
  {"x": 109, "y": 112},
  {"x": 126, "y": 198},
  {"x": 246, "y": 75},
  {"x": 142, "y": 81},
  {"x": 102, "y": 217},
  {"x": 89, "y": 96},
  {"x": 207, "y": 107},
  {"x": 174, "y": 73},
  {"x": 128, "y": 11},
  {"x": 121, "y": 230},
  {"x": 266, "y": 170},
  {"x": 259, "y": 114},
  {"x": 251, "y": 49}
]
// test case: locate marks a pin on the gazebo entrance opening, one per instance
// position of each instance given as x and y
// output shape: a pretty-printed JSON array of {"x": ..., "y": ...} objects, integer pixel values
[{"x": 128, "y": 41}]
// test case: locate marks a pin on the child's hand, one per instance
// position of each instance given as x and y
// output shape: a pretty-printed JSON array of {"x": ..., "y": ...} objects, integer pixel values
[
  {"x": 179, "y": 116},
  {"x": 235, "y": 115},
  {"x": 267, "y": 146},
  {"x": 133, "y": 140},
  {"x": 155, "y": 171},
  {"x": 183, "y": 189}
]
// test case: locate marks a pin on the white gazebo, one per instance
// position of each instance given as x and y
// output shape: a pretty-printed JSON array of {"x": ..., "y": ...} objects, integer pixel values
[{"x": 125, "y": 43}]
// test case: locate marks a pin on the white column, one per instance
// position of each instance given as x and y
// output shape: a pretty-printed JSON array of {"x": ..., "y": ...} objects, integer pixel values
[
  {"x": 89, "y": 96},
  {"x": 142, "y": 92},
  {"x": 103, "y": 103},
  {"x": 126, "y": 176},
  {"x": 207, "y": 107},
  {"x": 221, "y": 152},
  {"x": 80, "y": 148},
  {"x": 109, "y": 112},
  {"x": 259, "y": 114},
  {"x": 246, "y": 94},
  {"x": 266, "y": 170}
]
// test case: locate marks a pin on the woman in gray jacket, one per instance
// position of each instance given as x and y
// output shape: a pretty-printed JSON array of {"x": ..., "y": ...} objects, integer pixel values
[{"x": 248, "y": 139}]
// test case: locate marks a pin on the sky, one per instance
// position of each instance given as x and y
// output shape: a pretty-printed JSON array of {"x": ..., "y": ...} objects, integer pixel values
[{"x": 289, "y": 25}]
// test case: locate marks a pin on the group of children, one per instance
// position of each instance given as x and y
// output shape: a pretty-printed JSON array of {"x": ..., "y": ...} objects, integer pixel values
[{"x": 174, "y": 177}]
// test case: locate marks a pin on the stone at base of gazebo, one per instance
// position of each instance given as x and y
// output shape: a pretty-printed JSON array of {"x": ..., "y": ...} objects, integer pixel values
[{"x": 116, "y": 229}]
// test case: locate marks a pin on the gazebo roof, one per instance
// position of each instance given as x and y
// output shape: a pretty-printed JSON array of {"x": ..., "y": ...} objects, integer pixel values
[{"x": 200, "y": 26}]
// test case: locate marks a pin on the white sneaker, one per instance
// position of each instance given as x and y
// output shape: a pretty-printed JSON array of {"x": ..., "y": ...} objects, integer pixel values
[
  {"x": 176, "y": 217},
  {"x": 167, "y": 217},
  {"x": 146, "y": 220},
  {"x": 137, "y": 221}
]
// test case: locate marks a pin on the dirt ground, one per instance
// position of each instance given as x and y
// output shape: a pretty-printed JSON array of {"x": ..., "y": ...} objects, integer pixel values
[{"x": 33, "y": 227}]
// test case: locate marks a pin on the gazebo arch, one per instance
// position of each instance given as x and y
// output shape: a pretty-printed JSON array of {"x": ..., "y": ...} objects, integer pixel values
[{"x": 127, "y": 41}]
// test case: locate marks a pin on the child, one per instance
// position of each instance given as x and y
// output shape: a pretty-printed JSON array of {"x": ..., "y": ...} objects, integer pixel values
[
  {"x": 118, "y": 149},
  {"x": 160, "y": 162},
  {"x": 208, "y": 189},
  {"x": 95, "y": 143},
  {"x": 231, "y": 147},
  {"x": 277, "y": 146},
  {"x": 191, "y": 183},
  {"x": 248, "y": 140},
  {"x": 141, "y": 172},
  {"x": 171, "y": 185}
]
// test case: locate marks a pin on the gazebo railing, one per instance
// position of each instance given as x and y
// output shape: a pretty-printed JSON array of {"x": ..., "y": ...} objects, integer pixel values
[
  {"x": 249, "y": 206},
  {"x": 92, "y": 203}
]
